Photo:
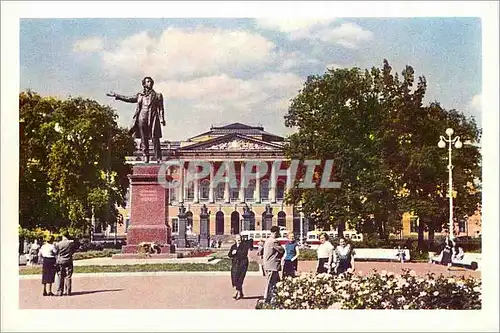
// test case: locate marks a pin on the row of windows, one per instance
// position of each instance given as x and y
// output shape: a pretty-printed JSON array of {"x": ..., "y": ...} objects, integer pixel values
[
  {"x": 234, "y": 193},
  {"x": 236, "y": 222}
]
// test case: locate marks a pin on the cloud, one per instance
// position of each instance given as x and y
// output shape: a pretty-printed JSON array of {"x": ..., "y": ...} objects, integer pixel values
[
  {"x": 296, "y": 29},
  {"x": 92, "y": 44},
  {"x": 231, "y": 92},
  {"x": 293, "y": 60},
  {"x": 349, "y": 35},
  {"x": 181, "y": 53},
  {"x": 475, "y": 106},
  {"x": 334, "y": 66},
  {"x": 291, "y": 25},
  {"x": 220, "y": 99}
]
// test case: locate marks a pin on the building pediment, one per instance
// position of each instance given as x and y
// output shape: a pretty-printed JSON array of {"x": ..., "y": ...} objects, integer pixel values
[{"x": 234, "y": 143}]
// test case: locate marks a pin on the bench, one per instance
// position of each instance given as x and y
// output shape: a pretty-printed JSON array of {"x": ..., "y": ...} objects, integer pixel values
[
  {"x": 381, "y": 254},
  {"x": 469, "y": 260}
]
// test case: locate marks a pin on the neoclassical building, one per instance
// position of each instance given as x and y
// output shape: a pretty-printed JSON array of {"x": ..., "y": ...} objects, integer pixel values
[{"x": 239, "y": 144}]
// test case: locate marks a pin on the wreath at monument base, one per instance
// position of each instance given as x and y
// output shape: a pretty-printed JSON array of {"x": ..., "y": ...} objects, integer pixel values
[{"x": 149, "y": 248}]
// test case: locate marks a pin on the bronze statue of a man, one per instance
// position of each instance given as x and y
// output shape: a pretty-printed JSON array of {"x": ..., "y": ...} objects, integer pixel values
[{"x": 148, "y": 115}]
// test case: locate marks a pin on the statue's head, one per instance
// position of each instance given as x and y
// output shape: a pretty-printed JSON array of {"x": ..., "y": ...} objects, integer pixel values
[{"x": 148, "y": 82}]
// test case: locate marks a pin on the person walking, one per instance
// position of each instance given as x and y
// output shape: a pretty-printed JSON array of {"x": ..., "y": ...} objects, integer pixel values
[
  {"x": 239, "y": 264},
  {"x": 447, "y": 249},
  {"x": 291, "y": 257},
  {"x": 64, "y": 264},
  {"x": 273, "y": 252},
  {"x": 344, "y": 254},
  {"x": 325, "y": 253},
  {"x": 48, "y": 252}
]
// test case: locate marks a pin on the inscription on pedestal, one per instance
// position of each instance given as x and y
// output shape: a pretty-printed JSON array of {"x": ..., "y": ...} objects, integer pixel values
[{"x": 148, "y": 195}]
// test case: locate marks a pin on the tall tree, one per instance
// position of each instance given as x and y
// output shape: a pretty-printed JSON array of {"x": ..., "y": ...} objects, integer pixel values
[
  {"x": 72, "y": 161},
  {"x": 384, "y": 143}
]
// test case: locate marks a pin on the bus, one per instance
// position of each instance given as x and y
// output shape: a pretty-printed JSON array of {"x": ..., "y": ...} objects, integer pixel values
[
  {"x": 312, "y": 238},
  {"x": 262, "y": 235}
]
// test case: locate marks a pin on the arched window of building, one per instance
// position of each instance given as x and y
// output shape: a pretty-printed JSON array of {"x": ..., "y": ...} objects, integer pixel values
[
  {"x": 250, "y": 190},
  {"x": 252, "y": 221},
  {"x": 280, "y": 190},
  {"x": 219, "y": 223},
  {"x": 264, "y": 190},
  {"x": 235, "y": 223},
  {"x": 189, "y": 220},
  {"x": 282, "y": 219},
  {"x": 219, "y": 192},
  {"x": 296, "y": 223},
  {"x": 172, "y": 192},
  {"x": 204, "y": 189}
]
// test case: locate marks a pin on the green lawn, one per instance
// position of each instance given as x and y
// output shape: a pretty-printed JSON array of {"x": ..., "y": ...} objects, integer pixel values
[{"x": 223, "y": 265}]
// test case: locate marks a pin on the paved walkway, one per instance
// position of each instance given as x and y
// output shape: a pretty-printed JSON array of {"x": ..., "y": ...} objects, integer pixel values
[{"x": 176, "y": 290}]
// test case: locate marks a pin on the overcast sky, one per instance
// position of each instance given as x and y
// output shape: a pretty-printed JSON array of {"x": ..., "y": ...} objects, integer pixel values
[{"x": 219, "y": 71}]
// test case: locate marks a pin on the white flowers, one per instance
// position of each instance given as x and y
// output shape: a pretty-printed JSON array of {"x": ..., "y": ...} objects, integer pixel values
[{"x": 378, "y": 291}]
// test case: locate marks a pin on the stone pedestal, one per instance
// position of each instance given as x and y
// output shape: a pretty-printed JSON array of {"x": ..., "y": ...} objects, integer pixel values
[
  {"x": 181, "y": 238},
  {"x": 204, "y": 227},
  {"x": 149, "y": 213}
]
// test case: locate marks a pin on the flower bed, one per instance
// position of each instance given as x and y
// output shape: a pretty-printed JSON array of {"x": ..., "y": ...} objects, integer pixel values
[{"x": 376, "y": 291}]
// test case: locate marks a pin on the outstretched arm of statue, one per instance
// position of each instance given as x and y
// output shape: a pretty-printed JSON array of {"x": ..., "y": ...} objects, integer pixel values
[
  {"x": 161, "y": 109},
  {"x": 128, "y": 99}
]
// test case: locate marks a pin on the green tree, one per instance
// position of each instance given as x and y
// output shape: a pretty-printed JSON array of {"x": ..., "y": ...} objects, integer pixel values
[
  {"x": 72, "y": 159},
  {"x": 383, "y": 141}
]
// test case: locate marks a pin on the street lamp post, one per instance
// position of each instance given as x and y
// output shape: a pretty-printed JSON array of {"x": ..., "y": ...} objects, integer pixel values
[{"x": 442, "y": 144}]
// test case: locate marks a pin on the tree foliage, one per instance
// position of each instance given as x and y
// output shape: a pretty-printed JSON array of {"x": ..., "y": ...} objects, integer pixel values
[
  {"x": 72, "y": 159},
  {"x": 383, "y": 142}
]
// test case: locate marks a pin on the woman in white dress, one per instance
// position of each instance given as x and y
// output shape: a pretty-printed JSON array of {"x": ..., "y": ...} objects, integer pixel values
[{"x": 325, "y": 255}]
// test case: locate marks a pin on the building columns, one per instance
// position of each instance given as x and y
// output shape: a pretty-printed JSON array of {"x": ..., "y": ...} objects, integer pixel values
[
  {"x": 289, "y": 183},
  {"x": 181, "y": 185},
  {"x": 227, "y": 199},
  {"x": 273, "y": 183},
  {"x": 242, "y": 182},
  {"x": 256, "y": 194},
  {"x": 211, "y": 187},
  {"x": 196, "y": 190}
]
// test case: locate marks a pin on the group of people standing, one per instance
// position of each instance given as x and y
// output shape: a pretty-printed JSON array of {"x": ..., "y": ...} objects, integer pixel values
[
  {"x": 275, "y": 257},
  {"x": 57, "y": 257},
  {"x": 334, "y": 260}
]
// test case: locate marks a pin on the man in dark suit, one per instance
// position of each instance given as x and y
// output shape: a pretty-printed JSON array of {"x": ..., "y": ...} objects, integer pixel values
[
  {"x": 147, "y": 118},
  {"x": 64, "y": 264}
]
